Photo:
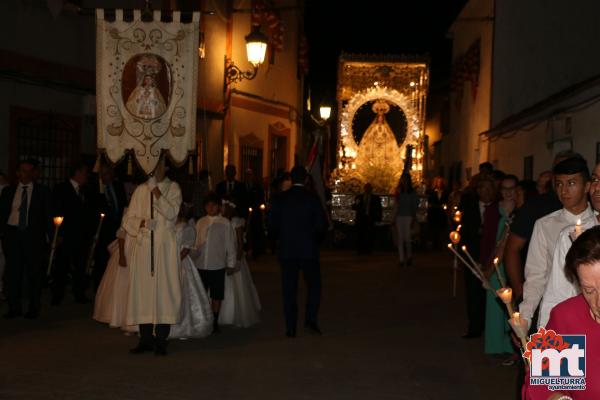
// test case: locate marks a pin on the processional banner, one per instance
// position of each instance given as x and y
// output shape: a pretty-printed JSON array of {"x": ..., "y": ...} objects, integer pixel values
[{"x": 146, "y": 74}]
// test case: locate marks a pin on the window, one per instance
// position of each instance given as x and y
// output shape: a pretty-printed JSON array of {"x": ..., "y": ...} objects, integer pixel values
[{"x": 52, "y": 139}]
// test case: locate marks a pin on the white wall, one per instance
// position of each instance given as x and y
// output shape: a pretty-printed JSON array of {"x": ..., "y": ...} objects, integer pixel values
[
  {"x": 542, "y": 47},
  {"x": 533, "y": 141},
  {"x": 472, "y": 117}
]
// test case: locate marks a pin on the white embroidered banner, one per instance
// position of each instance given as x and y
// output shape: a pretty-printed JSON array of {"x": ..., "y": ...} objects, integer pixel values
[{"x": 146, "y": 84}]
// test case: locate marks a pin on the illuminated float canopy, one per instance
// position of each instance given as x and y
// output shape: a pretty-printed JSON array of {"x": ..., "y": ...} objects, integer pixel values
[{"x": 380, "y": 127}]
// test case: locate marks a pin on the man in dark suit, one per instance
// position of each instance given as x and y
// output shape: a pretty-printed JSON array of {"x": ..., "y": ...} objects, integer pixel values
[
  {"x": 112, "y": 203},
  {"x": 25, "y": 222},
  {"x": 474, "y": 207},
  {"x": 75, "y": 202},
  {"x": 255, "y": 231},
  {"x": 298, "y": 221},
  {"x": 368, "y": 212},
  {"x": 234, "y": 189}
]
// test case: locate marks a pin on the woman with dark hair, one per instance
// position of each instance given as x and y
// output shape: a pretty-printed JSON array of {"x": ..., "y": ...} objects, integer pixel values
[
  {"x": 578, "y": 315},
  {"x": 497, "y": 331},
  {"x": 525, "y": 190},
  {"x": 405, "y": 210}
]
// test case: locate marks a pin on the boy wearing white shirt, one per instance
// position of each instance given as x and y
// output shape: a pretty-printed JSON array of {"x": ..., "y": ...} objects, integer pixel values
[
  {"x": 215, "y": 251},
  {"x": 558, "y": 288},
  {"x": 572, "y": 184}
]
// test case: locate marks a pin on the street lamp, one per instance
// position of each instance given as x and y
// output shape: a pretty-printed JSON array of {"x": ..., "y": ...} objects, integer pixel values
[
  {"x": 325, "y": 112},
  {"x": 256, "y": 47}
]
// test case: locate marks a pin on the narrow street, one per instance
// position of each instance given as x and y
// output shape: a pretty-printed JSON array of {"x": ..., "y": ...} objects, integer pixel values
[{"x": 389, "y": 333}]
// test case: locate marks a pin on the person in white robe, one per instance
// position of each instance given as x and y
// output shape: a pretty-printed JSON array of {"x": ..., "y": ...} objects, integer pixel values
[
  {"x": 559, "y": 288},
  {"x": 110, "y": 305},
  {"x": 196, "y": 314},
  {"x": 214, "y": 252},
  {"x": 572, "y": 185},
  {"x": 241, "y": 305},
  {"x": 155, "y": 291}
]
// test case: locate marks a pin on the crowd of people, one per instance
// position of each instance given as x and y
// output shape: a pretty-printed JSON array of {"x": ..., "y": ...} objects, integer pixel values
[
  {"x": 160, "y": 272},
  {"x": 156, "y": 271},
  {"x": 533, "y": 229}
]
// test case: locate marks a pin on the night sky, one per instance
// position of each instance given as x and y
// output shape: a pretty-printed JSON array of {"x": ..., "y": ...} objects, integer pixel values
[{"x": 395, "y": 27}]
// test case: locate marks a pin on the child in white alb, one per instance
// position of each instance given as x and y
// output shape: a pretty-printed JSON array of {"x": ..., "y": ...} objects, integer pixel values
[
  {"x": 196, "y": 318},
  {"x": 214, "y": 252},
  {"x": 241, "y": 306}
]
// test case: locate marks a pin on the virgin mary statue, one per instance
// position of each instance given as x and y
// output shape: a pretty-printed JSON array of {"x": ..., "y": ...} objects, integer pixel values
[
  {"x": 379, "y": 160},
  {"x": 145, "y": 101}
]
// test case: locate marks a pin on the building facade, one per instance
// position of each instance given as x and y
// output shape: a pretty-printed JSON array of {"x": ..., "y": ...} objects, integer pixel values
[
  {"x": 47, "y": 90},
  {"x": 536, "y": 86}
]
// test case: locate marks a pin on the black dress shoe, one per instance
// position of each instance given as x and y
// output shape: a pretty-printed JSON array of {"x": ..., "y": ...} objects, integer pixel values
[
  {"x": 160, "y": 349},
  {"x": 13, "y": 314},
  {"x": 312, "y": 326},
  {"x": 141, "y": 348},
  {"x": 32, "y": 314}
]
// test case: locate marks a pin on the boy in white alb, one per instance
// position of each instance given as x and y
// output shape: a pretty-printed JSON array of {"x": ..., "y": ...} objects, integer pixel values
[
  {"x": 572, "y": 185},
  {"x": 214, "y": 252}
]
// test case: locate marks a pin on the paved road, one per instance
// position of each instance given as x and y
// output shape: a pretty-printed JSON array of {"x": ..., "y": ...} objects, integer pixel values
[{"x": 390, "y": 333}]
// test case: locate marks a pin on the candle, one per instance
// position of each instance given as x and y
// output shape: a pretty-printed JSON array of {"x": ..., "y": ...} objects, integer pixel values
[
  {"x": 516, "y": 317},
  {"x": 451, "y": 248},
  {"x": 457, "y": 216},
  {"x": 471, "y": 268},
  {"x": 500, "y": 277},
  {"x": 445, "y": 207},
  {"x": 454, "y": 237},
  {"x": 464, "y": 249},
  {"x": 458, "y": 228},
  {"x": 250, "y": 210},
  {"x": 505, "y": 294},
  {"x": 262, "y": 207},
  {"x": 57, "y": 223},
  {"x": 520, "y": 329},
  {"x": 578, "y": 228},
  {"x": 94, "y": 242}
]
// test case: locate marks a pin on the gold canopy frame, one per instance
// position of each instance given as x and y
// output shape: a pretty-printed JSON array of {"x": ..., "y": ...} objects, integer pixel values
[{"x": 396, "y": 79}]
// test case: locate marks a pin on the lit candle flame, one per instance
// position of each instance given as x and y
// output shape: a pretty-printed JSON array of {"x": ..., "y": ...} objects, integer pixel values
[
  {"x": 262, "y": 207},
  {"x": 58, "y": 220},
  {"x": 496, "y": 261},
  {"x": 102, "y": 215},
  {"x": 250, "y": 209},
  {"x": 517, "y": 318},
  {"x": 454, "y": 237}
]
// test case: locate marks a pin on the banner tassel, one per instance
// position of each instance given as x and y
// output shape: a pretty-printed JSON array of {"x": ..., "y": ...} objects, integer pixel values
[{"x": 130, "y": 166}]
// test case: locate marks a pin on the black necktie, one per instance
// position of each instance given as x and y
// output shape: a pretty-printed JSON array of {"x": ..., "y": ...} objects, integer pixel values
[{"x": 23, "y": 210}]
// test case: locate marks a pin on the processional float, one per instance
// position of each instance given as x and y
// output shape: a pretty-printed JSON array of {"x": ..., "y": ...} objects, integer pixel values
[{"x": 380, "y": 129}]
